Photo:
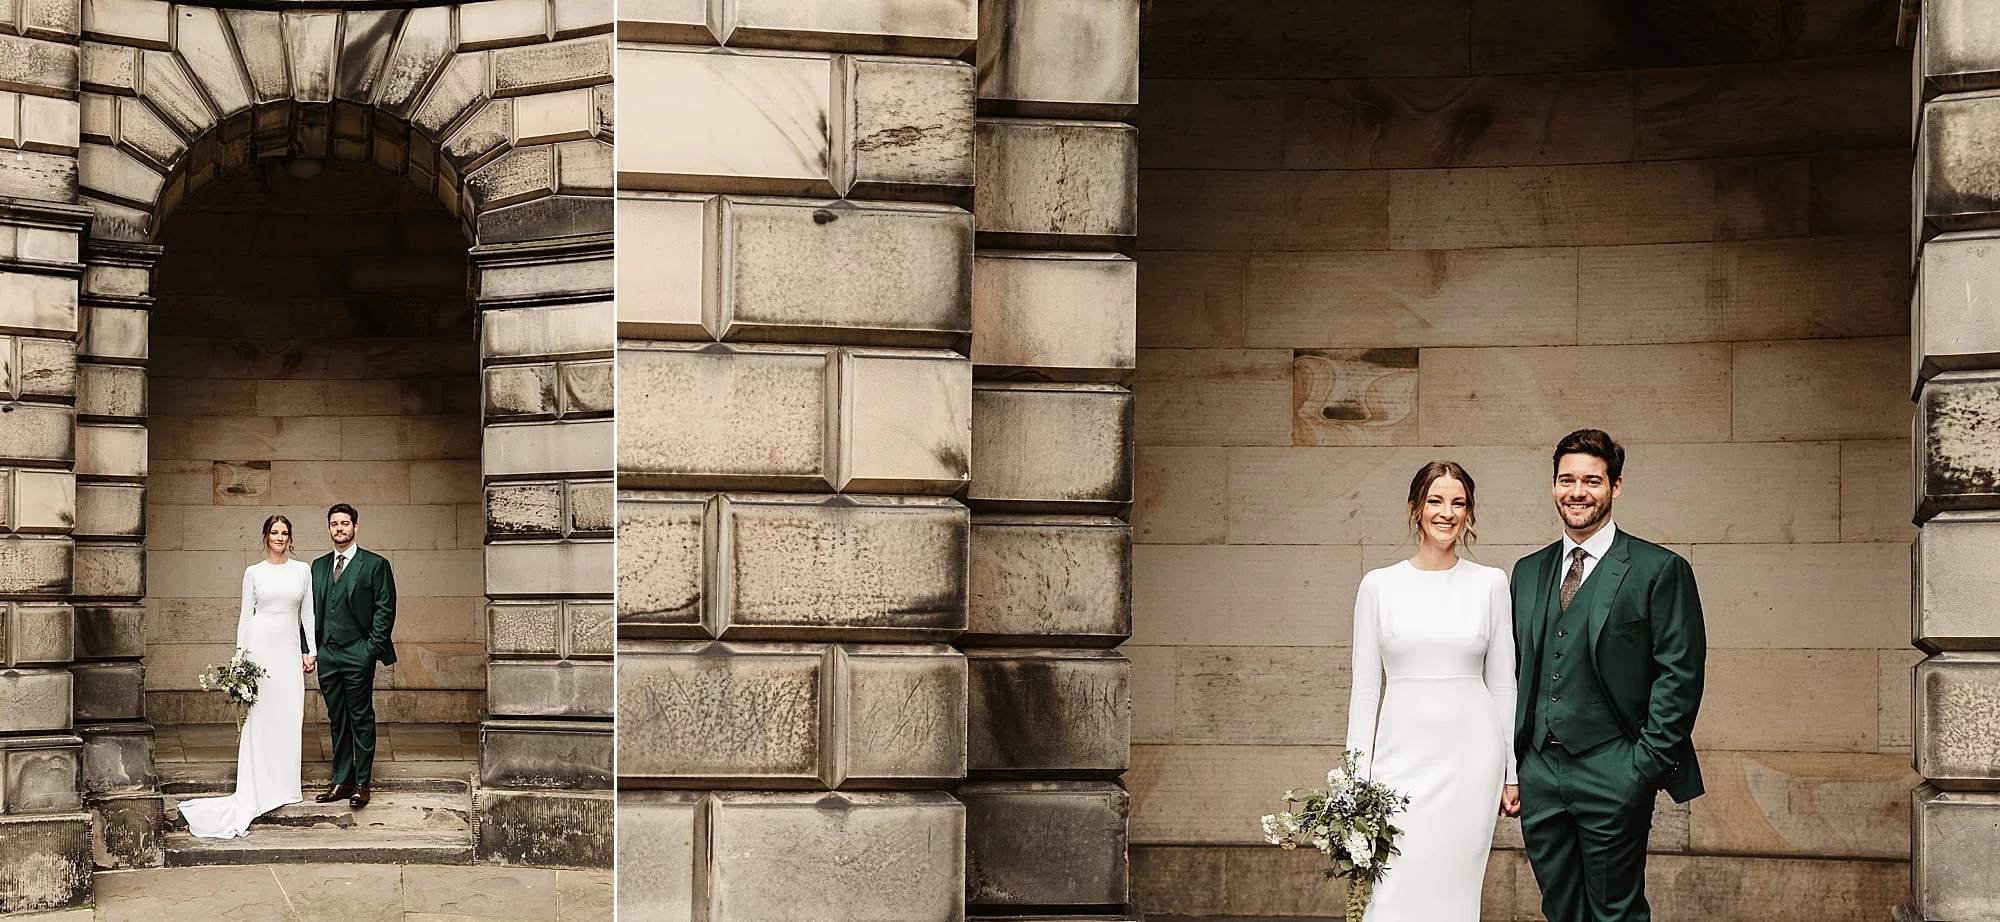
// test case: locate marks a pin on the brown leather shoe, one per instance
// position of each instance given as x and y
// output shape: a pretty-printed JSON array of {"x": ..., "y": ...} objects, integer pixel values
[
  {"x": 333, "y": 793},
  {"x": 360, "y": 797}
]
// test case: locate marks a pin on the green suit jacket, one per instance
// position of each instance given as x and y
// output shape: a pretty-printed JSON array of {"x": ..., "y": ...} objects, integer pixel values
[
  {"x": 360, "y": 607},
  {"x": 1647, "y": 644}
]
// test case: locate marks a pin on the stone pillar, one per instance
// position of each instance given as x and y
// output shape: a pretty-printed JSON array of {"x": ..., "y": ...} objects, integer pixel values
[
  {"x": 1955, "y": 378},
  {"x": 1053, "y": 346},
  {"x": 118, "y": 779},
  {"x": 795, "y": 402},
  {"x": 545, "y": 342},
  {"x": 46, "y": 861}
]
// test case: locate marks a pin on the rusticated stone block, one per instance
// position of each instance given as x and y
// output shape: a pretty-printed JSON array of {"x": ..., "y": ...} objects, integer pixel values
[
  {"x": 1055, "y": 316},
  {"x": 521, "y": 391},
  {"x": 1960, "y": 48},
  {"x": 550, "y": 331},
  {"x": 936, "y": 28},
  {"x": 38, "y": 774},
  {"x": 111, "y": 392},
  {"x": 1958, "y": 462},
  {"x": 545, "y": 829},
  {"x": 660, "y": 563},
  {"x": 790, "y": 856},
  {"x": 1956, "y": 582},
  {"x": 588, "y": 507},
  {"x": 1051, "y": 447},
  {"x": 1958, "y": 741},
  {"x": 110, "y": 632},
  {"x": 912, "y": 127},
  {"x": 1955, "y": 326},
  {"x": 1048, "y": 184},
  {"x": 1958, "y": 161},
  {"x": 1952, "y": 838},
  {"x": 110, "y": 571},
  {"x": 34, "y": 303},
  {"x": 663, "y": 262},
  {"x": 839, "y": 567},
  {"x": 35, "y": 699},
  {"x": 47, "y": 367},
  {"x": 46, "y": 864},
  {"x": 526, "y": 688},
  {"x": 37, "y": 567},
  {"x": 1048, "y": 580},
  {"x": 901, "y": 713},
  {"x": 564, "y": 447},
  {"x": 1052, "y": 59},
  {"x": 1046, "y": 843},
  {"x": 740, "y": 121},
  {"x": 36, "y": 634},
  {"x": 549, "y": 568},
  {"x": 546, "y": 217},
  {"x": 671, "y": 22},
  {"x": 116, "y": 333},
  {"x": 723, "y": 416},
  {"x": 110, "y": 691},
  {"x": 38, "y": 433},
  {"x": 1037, "y": 711},
  {"x": 818, "y": 271},
  {"x": 586, "y": 388},
  {"x": 130, "y": 830},
  {"x": 111, "y": 450},
  {"x": 43, "y": 501},
  {"x": 37, "y": 66},
  {"x": 545, "y": 754},
  {"x": 118, "y": 758},
  {"x": 567, "y": 629},
  {"x": 693, "y": 713},
  {"x": 552, "y": 66},
  {"x": 110, "y": 510},
  {"x": 531, "y": 509},
  {"x": 662, "y": 848},
  {"x": 903, "y": 421}
]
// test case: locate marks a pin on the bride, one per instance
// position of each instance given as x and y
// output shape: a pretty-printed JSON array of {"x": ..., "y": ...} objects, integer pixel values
[
  {"x": 277, "y": 617},
  {"x": 1432, "y": 708}
]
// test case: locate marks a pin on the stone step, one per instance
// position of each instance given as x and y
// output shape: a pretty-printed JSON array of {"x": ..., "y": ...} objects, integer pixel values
[
  {"x": 322, "y": 845},
  {"x": 420, "y": 811},
  {"x": 453, "y": 776}
]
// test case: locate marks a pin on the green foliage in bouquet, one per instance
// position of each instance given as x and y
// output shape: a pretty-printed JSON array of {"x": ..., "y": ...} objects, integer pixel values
[
  {"x": 236, "y": 679},
  {"x": 1348, "y": 822}
]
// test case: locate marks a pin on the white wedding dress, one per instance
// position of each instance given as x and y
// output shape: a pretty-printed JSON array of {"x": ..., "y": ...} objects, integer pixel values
[
  {"x": 1434, "y": 658},
  {"x": 277, "y": 606}
]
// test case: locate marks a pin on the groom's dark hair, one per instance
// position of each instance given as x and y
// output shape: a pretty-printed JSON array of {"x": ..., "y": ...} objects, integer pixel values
[
  {"x": 1598, "y": 444},
  {"x": 338, "y": 508}
]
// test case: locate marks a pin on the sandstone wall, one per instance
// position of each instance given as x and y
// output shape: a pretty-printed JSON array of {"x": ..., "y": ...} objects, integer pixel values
[
  {"x": 1375, "y": 235},
  {"x": 312, "y": 344}
]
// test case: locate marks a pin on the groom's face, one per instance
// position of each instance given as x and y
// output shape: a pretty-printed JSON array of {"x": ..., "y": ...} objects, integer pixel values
[
  {"x": 340, "y": 527},
  {"x": 1584, "y": 490}
]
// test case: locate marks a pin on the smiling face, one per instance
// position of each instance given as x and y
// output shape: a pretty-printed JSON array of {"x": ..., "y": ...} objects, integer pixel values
[
  {"x": 1444, "y": 514},
  {"x": 340, "y": 527},
  {"x": 1583, "y": 490},
  {"x": 278, "y": 537}
]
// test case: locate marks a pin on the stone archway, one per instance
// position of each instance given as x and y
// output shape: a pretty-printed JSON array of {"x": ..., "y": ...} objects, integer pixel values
[{"x": 122, "y": 109}]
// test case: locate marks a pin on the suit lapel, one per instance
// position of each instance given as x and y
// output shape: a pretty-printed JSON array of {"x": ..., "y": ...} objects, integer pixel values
[
  {"x": 1537, "y": 614},
  {"x": 1605, "y": 579}
]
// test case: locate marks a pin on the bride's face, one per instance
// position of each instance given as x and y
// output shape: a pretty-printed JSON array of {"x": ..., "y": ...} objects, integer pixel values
[
  {"x": 278, "y": 538},
  {"x": 1444, "y": 513}
]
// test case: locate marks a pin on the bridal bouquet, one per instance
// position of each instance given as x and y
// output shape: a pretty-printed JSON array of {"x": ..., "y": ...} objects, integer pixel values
[
  {"x": 1348, "y": 822},
  {"x": 236, "y": 679}
]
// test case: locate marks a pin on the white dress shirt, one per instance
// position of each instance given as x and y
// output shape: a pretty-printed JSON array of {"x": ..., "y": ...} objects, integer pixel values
[{"x": 1594, "y": 550}]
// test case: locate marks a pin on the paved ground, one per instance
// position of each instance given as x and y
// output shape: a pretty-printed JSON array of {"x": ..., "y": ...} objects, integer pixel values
[{"x": 345, "y": 893}]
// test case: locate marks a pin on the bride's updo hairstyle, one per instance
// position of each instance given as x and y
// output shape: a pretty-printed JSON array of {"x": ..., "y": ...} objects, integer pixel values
[
  {"x": 265, "y": 535},
  {"x": 1420, "y": 487}
]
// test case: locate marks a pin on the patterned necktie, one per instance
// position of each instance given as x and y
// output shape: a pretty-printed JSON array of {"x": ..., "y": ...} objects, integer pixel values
[
  {"x": 1571, "y": 580},
  {"x": 340, "y": 563}
]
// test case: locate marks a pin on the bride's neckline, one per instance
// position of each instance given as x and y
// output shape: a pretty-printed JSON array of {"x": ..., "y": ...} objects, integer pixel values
[{"x": 1455, "y": 564}]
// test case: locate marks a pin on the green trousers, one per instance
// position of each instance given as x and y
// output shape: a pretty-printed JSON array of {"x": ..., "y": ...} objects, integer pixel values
[
  {"x": 1584, "y": 818},
  {"x": 349, "y": 689}
]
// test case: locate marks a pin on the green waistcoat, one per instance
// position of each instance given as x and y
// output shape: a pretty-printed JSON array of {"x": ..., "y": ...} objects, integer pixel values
[{"x": 1568, "y": 699}]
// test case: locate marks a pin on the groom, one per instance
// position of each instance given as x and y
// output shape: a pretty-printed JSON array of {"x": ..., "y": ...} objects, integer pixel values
[
  {"x": 1609, "y": 649},
  {"x": 354, "y": 596}
]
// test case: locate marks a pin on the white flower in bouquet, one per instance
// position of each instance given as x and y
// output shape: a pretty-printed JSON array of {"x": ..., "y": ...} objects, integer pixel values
[
  {"x": 1359, "y": 849},
  {"x": 1348, "y": 822},
  {"x": 1338, "y": 778}
]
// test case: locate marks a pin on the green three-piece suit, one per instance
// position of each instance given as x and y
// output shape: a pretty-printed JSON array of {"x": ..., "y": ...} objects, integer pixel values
[
  {"x": 1608, "y": 693},
  {"x": 355, "y": 616}
]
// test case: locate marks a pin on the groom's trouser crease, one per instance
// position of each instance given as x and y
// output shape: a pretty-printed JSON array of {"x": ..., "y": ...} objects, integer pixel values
[{"x": 1586, "y": 829}]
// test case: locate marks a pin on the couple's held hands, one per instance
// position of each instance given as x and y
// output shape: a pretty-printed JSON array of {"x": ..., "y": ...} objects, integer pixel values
[
  {"x": 309, "y": 661},
  {"x": 1510, "y": 800}
]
